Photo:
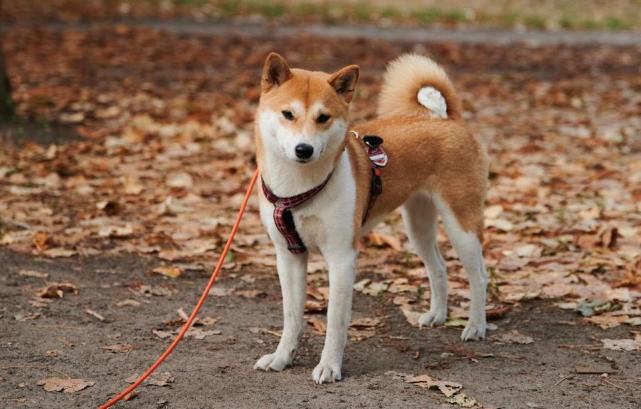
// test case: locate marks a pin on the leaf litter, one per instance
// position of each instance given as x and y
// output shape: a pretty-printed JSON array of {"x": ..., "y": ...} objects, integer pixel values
[
  {"x": 452, "y": 391},
  {"x": 562, "y": 207}
]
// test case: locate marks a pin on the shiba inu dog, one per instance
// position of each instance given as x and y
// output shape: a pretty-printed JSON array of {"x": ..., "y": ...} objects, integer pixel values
[{"x": 325, "y": 182}]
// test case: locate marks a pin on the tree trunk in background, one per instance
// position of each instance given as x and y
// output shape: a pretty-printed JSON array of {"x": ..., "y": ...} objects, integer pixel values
[{"x": 6, "y": 103}]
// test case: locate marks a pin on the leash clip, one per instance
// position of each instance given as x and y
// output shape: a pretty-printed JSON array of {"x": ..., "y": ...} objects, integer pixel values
[{"x": 375, "y": 151}]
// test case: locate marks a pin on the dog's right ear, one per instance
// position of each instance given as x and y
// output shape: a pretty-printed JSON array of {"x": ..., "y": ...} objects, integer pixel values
[{"x": 275, "y": 72}]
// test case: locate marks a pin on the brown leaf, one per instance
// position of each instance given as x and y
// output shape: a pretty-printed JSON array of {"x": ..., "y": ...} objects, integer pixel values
[
  {"x": 58, "y": 252},
  {"x": 497, "y": 312},
  {"x": 41, "y": 241},
  {"x": 313, "y": 306},
  {"x": 56, "y": 290},
  {"x": 317, "y": 325},
  {"x": 118, "y": 348},
  {"x": 249, "y": 293},
  {"x": 155, "y": 379},
  {"x": 148, "y": 290},
  {"x": 362, "y": 323},
  {"x": 607, "y": 321},
  {"x": 410, "y": 315},
  {"x": 64, "y": 385},
  {"x": 128, "y": 303},
  {"x": 199, "y": 333},
  {"x": 447, "y": 388},
  {"x": 171, "y": 272},
  {"x": 512, "y": 337}
]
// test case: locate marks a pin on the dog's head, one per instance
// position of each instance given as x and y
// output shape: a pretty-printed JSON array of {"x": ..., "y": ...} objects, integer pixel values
[{"x": 303, "y": 115}]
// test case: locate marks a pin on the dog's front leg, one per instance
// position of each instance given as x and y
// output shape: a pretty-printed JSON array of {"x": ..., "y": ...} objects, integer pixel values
[
  {"x": 292, "y": 271},
  {"x": 339, "y": 312}
]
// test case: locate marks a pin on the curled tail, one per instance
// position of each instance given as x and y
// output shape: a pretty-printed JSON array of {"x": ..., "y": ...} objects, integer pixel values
[{"x": 416, "y": 85}]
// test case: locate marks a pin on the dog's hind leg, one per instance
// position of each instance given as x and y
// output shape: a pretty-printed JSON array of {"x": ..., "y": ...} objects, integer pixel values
[
  {"x": 468, "y": 247},
  {"x": 419, "y": 215},
  {"x": 292, "y": 271}
]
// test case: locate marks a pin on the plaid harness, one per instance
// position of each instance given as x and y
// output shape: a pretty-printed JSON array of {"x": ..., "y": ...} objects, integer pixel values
[
  {"x": 283, "y": 206},
  {"x": 283, "y": 214}
]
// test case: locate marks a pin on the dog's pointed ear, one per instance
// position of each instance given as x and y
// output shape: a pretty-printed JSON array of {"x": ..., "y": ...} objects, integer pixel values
[
  {"x": 275, "y": 72},
  {"x": 344, "y": 81}
]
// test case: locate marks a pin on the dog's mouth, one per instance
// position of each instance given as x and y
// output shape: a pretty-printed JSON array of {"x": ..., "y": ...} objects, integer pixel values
[{"x": 303, "y": 161}]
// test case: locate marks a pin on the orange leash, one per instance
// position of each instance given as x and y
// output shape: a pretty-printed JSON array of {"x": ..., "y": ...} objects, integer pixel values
[{"x": 201, "y": 301}]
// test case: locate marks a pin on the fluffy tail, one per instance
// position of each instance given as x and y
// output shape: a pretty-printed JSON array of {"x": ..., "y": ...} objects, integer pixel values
[{"x": 416, "y": 85}]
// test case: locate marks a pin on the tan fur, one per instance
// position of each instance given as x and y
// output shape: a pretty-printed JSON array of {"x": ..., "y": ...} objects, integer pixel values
[
  {"x": 307, "y": 87},
  {"x": 404, "y": 77},
  {"x": 440, "y": 156}
]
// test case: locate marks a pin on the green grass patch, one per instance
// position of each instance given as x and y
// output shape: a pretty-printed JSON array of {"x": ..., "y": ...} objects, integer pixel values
[{"x": 336, "y": 12}]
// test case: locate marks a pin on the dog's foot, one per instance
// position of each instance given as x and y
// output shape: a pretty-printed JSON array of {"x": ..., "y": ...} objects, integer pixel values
[
  {"x": 273, "y": 362},
  {"x": 432, "y": 318},
  {"x": 474, "y": 330},
  {"x": 326, "y": 373},
  {"x": 433, "y": 100}
]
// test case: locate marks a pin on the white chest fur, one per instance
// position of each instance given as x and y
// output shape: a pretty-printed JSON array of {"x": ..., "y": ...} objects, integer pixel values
[{"x": 327, "y": 219}]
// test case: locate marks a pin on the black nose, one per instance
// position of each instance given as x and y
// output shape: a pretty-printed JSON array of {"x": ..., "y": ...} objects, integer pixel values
[{"x": 304, "y": 151}]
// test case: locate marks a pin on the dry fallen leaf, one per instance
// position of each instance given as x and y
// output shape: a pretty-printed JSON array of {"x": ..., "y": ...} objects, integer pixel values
[
  {"x": 363, "y": 323},
  {"x": 447, "y": 388},
  {"x": 58, "y": 252},
  {"x": 249, "y": 293},
  {"x": 218, "y": 291},
  {"x": 317, "y": 325},
  {"x": 623, "y": 344},
  {"x": 607, "y": 321},
  {"x": 313, "y": 306},
  {"x": 171, "y": 272},
  {"x": 32, "y": 273},
  {"x": 57, "y": 290},
  {"x": 155, "y": 379},
  {"x": 118, "y": 348},
  {"x": 64, "y": 385},
  {"x": 410, "y": 315},
  {"x": 156, "y": 290},
  {"x": 512, "y": 337},
  {"x": 462, "y": 400},
  {"x": 128, "y": 303},
  {"x": 163, "y": 334},
  {"x": 199, "y": 333},
  {"x": 94, "y": 314}
]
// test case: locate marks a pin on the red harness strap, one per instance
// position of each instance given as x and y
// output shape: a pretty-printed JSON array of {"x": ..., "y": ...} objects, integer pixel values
[
  {"x": 283, "y": 206},
  {"x": 378, "y": 158},
  {"x": 283, "y": 215}
]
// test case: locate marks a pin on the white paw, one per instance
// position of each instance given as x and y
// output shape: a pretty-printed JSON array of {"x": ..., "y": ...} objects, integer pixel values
[
  {"x": 474, "y": 330},
  {"x": 326, "y": 373},
  {"x": 273, "y": 362},
  {"x": 432, "y": 318},
  {"x": 433, "y": 100}
]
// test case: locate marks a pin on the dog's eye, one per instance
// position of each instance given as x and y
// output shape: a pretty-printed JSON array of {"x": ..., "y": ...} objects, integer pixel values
[
  {"x": 322, "y": 118},
  {"x": 288, "y": 115}
]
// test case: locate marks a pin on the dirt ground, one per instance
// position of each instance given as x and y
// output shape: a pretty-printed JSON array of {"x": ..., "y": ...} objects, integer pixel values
[{"x": 216, "y": 372}]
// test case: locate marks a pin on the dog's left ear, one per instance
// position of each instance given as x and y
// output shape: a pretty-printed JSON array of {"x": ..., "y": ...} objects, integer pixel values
[{"x": 344, "y": 81}]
